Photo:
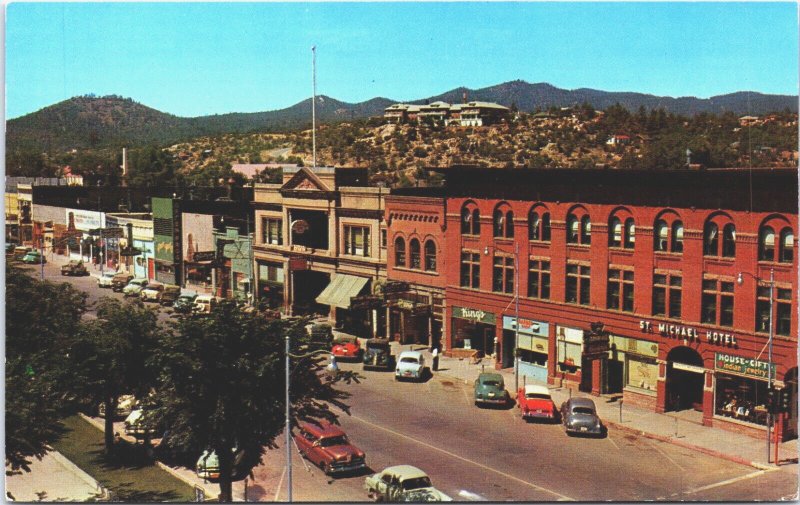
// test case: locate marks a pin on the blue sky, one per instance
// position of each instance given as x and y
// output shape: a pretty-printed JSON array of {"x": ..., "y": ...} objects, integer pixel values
[{"x": 193, "y": 59}]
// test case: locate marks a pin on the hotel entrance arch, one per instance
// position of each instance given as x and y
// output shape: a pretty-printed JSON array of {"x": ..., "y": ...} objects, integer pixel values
[{"x": 685, "y": 376}]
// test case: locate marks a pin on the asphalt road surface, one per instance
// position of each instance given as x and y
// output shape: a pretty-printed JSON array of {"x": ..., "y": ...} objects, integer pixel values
[{"x": 491, "y": 454}]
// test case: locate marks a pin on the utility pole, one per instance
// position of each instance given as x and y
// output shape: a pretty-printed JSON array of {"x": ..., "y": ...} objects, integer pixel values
[
  {"x": 314, "y": 103},
  {"x": 769, "y": 354},
  {"x": 288, "y": 430},
  {"x": 516, "y": 316}
]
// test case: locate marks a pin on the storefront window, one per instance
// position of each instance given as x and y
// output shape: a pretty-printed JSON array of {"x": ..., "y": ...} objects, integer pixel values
[
  {"x": 642, "y": 372},
  {"x": 741, "y": 398},
  {"x": 569, "y": 346}
]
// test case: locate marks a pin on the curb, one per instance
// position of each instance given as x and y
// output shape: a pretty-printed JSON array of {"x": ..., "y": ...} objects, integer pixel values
[
  {"x": 210, "y": 495},
  {"x": 78, "y": 472}
]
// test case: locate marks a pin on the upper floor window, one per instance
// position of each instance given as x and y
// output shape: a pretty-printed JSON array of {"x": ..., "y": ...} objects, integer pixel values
[
  {"x": 539, "y": 279},
  {"x": 399, "y": 252},
  {"x": 470, "y": 269},
  {"x": 717, "y": 302},
  {"x": 430, "y": 256},
  {"x": 356, "y": 240},
  {"x": 539, "y": 226},
  {"x": 503, "y": 221},
  {"x": 579, "y": 228},
  {"x": 503, "y": 274},
  {"x": 766, "y": 244},
  {"x": 786, "y": 246},
  {"x": 414, "y": 252},
  {"x": 782, "y": 302},
  {"x": 712, "y": 245},
  {"x": 578, "y": 284},
  {"x": 470, "y": 220},
  {"x": 668, "y": 236},
  {"x": 383, "y": 238},
  {"x": 271, "y": 231},
  {"x": 619, "y": 295},
  {"x": 621, "y": 234},
  {"x": 667, "y": 295}
]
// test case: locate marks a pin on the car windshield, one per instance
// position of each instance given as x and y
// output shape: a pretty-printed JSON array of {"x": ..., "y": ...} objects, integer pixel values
[
  {"x": 329, "y": 441},
  {"x": 583, "y": 410},
  {"x": 491, "y": 383},
  {"x": 408, "y": 359},
  {"x": 537, "y": 396},
  {"x": 417, "y": 483}
]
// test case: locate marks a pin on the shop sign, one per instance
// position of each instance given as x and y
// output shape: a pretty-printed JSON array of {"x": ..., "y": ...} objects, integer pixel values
[
  {"x": 530, "y": 326},
  {"x": 688, "y": 333},
  {"x": 476, "y": 315},
  {"x": 395, "y": 287},
  {"x": 743, "y": 366},
  {"x": 298, "y": 263},
  {"x": 365, "y": 302},
  {"x": 84, "y": 219},
  {"x": 595, "y": 341},
  {"x": 204, "y": 256},
  {"x": 300, "y": 226}
]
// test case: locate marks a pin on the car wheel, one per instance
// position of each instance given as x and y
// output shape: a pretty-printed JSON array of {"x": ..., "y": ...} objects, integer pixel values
[{"x": 326, "y": 469}]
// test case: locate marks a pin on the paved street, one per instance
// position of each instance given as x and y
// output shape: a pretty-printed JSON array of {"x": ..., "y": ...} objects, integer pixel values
[{"x": 492, "y": 454}]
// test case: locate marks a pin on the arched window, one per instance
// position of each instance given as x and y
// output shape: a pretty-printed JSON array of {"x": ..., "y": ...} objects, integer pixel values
[
  {"x": 729, "y": 241},
  {"x": 498, "y": 221},
  {"x": 572, "y": 229},
  {"x": 586, "y": 230},
  {"x": 787, "y": 246},
  {"x": 630, "y": 234},
  {"x": 509, "y": 232},
  {"x": 546, "y": 226},
  {"x": 430, "y": 256},
  {"x": 661, "y": 236},
  {"x": 470, "y": 220},
  {"x": 534, "y": 226},
  {"x": 399, "y": 252},
  {"x": 615, "y": 232},
  {"x": 766, "y": 244},
  {"x": 710, "y": 239},
  {"x": 466, "y": 221},
  {"x": 414, "y": 251},
  {"x": 677, "y": 237}
]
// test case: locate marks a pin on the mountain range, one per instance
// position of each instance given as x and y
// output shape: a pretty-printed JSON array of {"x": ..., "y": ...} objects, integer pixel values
[{"x": 113, "y": 121}]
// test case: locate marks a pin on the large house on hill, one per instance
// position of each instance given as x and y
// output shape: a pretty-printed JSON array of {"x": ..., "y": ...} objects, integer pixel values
[{"x": 465, "y": 114}]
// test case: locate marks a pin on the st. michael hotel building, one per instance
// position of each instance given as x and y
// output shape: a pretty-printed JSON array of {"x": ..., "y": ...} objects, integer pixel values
[{"x": 677, "y": 266}]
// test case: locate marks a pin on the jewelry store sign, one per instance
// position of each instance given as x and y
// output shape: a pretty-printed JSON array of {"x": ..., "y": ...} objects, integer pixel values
[{"x": 742, "y": 366}]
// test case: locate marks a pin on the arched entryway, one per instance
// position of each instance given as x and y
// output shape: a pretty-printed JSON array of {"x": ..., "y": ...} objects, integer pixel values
[{"x": 685, "y": 376}]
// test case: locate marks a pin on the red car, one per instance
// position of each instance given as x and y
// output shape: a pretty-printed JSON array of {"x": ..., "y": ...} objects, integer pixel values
[
  {"x": 346, "y": 347},
  {"x": 535, "y": 403},
  {"x": 327, "y": 446}
]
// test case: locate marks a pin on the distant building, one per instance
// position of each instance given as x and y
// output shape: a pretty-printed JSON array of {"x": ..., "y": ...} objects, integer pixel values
[
  {"x": 250, "y": 170},
  {"x": 618, "y": 140},
  {"x": 466, "y": 114},
  {"x": 748, "y": 120}
]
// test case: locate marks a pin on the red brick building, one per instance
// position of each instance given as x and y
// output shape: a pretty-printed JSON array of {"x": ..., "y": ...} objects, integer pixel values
[{"x": 668, "y": 262}]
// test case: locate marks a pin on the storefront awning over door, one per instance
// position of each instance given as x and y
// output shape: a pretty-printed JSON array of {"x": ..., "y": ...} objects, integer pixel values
[{"x": 341, "y": 289}]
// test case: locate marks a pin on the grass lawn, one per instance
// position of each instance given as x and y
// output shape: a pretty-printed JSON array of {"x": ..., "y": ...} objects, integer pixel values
[{"x": 130, "y": 474}]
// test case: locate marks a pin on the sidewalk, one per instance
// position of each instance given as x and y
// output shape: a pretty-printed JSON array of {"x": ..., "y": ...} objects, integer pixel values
[
  {"x": 54, "y": 478},
  {"x": 676, "y": 428}
]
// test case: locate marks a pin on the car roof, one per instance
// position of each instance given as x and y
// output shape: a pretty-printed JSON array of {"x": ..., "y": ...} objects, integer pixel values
[
  {"x": 404, "y": 472},
  {"x": 323, "y": 429},
  {"x": 378, "y": 341},
  {"x": 153, "y": 284},
  {"x": 411, "y": 354},
  {"x": 581, "y": 402},
  {"x": 536, "y": 389},
  {"x": 344, "y": 339},
  {"x": 490, "y": 376},
  {"x": 203, "y": 298}
]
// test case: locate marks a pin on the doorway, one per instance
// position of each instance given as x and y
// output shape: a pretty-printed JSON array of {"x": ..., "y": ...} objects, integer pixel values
[{"x": 685, "y": 376}]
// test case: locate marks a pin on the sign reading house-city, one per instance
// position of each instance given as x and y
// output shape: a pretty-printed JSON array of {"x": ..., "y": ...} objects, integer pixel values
[{"x": 688, "y": 333}]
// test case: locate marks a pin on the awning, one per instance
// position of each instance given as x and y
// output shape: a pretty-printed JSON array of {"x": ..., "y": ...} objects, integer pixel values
[{"x": 341, "y": 289}]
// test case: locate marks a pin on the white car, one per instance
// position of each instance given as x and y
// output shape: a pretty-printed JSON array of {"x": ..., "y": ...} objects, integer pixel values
[
  {"x": 203, "y": 304},
  {"x": 125, "y": 405},
  {"x": 410, "y": 365},
  {"x": 402, "y": 483},
  {"x": 104, "y": 281},
  {"x": 136, "y": 424},
  {"x": 135, "y": 287},
  {"x": 152, "y": 292}
]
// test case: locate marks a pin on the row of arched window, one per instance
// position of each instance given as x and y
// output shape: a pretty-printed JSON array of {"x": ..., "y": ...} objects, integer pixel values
[
  {"x": 719, "y": 233},
  {"x": 417, "y": 261}
]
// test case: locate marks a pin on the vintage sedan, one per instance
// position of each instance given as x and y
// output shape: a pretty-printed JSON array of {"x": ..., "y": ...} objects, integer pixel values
[
  {"x": 378, "y": 354},
  {"x": 139, "y": 424},
  {"x": 402, "y": 483},
  {"x": 207, "y": 466},
  {"x": 535, "y": 402},
  {"x": 152, "y": 292},
  {"x": 579, "y": 416},
  {"x": 105, "y": 280},
  {"x": 185, "y": 303},
  {"x": 327, "y": 446},
  {"x": 346, "y": 347},
  {"x": 410, "y": 365},
  {"x": 135, "y": 287},
  {"x": 33, "y": 257},
  {"x": 490, "y": 390}
]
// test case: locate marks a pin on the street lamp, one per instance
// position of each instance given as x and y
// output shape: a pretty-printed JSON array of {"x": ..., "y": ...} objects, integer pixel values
[
  {"x": 771, "y": 283},
  {"x": 332, "y": 369}
]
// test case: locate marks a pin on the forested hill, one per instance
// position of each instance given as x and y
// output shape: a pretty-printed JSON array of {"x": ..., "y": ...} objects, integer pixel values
[{"x": 113, "y": 121}]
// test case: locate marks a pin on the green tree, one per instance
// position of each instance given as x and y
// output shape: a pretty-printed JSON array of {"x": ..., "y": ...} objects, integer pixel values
[
  {"x": 110, "y": 355},
  {"x": 41, "y": 320},
  {"x": 222, "y": 384}
]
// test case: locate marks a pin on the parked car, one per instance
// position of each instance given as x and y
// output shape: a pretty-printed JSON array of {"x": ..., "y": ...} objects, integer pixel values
[
  {"x": 207, "y": 466},
  {"x": 151, "y": 292},
  {"x": 74, "y": 267},
  {"x": 170, "y": 293},
  {"x": 378, "y": 354},
  {"x": 120, "y": 280},
  {"x": 410, "y": 365},
  {"x": 184, "y": 303},
  {"x": 33, "y": 257},
  {"x": 490, "y": 389},
  {"x": 327, "y": 446},
  {"x": 125, "y": 405},
  {"x": 579, "y": 415},
  {"x": 105, "y": 280},
  {"x": 21, "y": 251},
  {"x": 135, "y": 287},
  {"x": 137, "y": 424},
  {"x": 346, "y": 347},
  {"x": 10, "y": 247},
  {"x": 402, "y": 483},
  {"x": 535, "y": 402},
  {"x": 204, "y": 304}
]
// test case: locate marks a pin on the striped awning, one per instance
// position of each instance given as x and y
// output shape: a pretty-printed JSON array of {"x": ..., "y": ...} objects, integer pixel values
[{"x": 341, "y": 289}]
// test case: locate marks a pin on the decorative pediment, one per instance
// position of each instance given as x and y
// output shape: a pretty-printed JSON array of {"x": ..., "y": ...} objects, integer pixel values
[{"x": 305, "y": 180}]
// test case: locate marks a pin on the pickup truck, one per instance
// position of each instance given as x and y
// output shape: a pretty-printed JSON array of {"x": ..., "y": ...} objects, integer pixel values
[{"x": 74, "y": 267}]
